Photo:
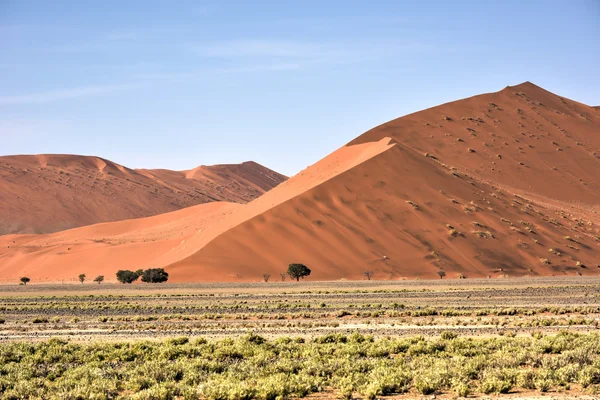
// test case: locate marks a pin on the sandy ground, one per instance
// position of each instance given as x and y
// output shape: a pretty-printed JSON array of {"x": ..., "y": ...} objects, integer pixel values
[
  {"x": 275, "y": 285},
  {"x": 381, "y": 308}
]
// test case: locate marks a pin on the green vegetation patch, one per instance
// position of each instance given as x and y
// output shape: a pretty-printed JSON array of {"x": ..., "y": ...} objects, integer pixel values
[{"x": 254, "y": 367}]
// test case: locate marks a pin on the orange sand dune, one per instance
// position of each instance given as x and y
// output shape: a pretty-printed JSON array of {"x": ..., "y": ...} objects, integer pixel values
[
  {"x": 102, "y": 249},
  {"x": 156, "y": 241},
  {"x": 48, "y": 193},
  {"x": 502, "y": 184}
]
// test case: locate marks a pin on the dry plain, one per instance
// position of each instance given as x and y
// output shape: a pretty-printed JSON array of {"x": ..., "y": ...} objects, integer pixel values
[
  {"x": 514, "y": 338},
  {"x": 273, "y": 309}
]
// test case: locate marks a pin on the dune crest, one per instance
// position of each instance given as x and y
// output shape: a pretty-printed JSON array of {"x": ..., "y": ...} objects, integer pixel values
[{"x": 52, "y": 192}]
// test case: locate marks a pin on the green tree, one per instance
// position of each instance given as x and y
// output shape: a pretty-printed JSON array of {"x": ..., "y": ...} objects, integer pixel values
[
  {"x": 298, "y": 271},
  {"x": 139, "y": 272},
  {"x": 441, "y": 273},
  {"x": 24, "y": 280},
  {"x": 127, "y": 276},
  {"x": 99, "y": 279},
  {"x": 155, "y": 275},
  {"x": 81, "y": 278}
]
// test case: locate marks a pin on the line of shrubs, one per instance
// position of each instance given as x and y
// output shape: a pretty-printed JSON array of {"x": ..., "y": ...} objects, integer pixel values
[
  {"x": 150, "y": 275},
  {"x": 159, "y": 275}
]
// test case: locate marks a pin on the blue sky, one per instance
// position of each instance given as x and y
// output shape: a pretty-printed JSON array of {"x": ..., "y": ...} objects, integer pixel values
[{"x": 176, "y": 84}]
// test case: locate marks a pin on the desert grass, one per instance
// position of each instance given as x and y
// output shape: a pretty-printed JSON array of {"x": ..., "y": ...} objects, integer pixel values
[{"x": 251, "y": 366}]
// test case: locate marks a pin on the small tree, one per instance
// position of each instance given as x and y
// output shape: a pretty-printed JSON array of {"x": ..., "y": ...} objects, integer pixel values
[
  {"x": 99, "y": 279},
  {"x": 266, "y": 277},
  {"x": 24, "y": 280},
  {"x": 368, "y": 274},
  {"x": 155, "y": 275},
  {"x": 81, "y": 278},
  {"x": 298, "y": 271},
  {"x": 139, "y": 272},
  {"x": 127, "y": 276},
  {"x": 283, "y": 275},
  {"x": 441, "y": 273}
]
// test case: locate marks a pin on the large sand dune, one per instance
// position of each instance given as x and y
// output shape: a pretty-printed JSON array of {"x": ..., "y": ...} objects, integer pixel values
[
  {"x": 502, "y": 184},
  {"x": 49, "y": 193}
]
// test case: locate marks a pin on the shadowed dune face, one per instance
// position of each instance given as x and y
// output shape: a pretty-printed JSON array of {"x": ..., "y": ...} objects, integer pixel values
[
  {"x": 502, "y": 184},
  {"x": 401, "y": 220},
  {"x": 48, "y": 193},
  {"x": 513, "y": 173},
  {"x": 523, "y": 137}
]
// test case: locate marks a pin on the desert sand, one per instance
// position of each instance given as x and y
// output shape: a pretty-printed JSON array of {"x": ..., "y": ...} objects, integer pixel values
[
  {"x": 497, "y": 185},
  {"x": 49, "y": 193}
]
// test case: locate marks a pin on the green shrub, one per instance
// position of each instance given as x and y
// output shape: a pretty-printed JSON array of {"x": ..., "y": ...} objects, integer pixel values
[
  {"x": 155, "y": 275},
  {"x": 430, "y": 380},
  {"x": 460, "y": 387},
  {"x": 589, "y": 375},
  {"x": 127, "y": 276},
  {"x": 178, "y": 341},
  {"x": 449, "y": 335},
  {"x": 493, "y": 384},
  {"x": 297, "y": 271},
  {"x": 252, "y": 366}
]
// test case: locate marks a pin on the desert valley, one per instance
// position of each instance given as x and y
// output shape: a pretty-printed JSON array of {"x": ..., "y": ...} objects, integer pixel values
[
  {"x": 453, "y": 252},
  {"x": 202, "y": 200}
]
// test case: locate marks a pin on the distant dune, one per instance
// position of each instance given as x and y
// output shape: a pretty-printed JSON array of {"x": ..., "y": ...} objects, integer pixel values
[
  {"x": 49, "y": 193},
  {"x": 501, "y": 184}
]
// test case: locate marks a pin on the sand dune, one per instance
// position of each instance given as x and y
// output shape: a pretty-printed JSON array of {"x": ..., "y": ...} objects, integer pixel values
[
  {"x": 523, "y": 137},
  {"x": 501, "y": 184},
  {"x": 49, "y": 193},
  {"x": 102, "y": 249}
]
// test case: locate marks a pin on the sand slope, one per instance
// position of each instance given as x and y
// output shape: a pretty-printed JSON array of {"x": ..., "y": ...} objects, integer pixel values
[
  {"x": 523, "y": 136},
  {"x": 502, "y": 184},
  {"x": 48, "y": 193},
  {"x": 102, "y": 249},
  {"x": 514, "y": 172}
]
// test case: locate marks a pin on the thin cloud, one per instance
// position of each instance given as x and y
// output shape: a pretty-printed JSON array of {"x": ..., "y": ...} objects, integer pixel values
[
  {"x": 64, "y": 94},
  {"x": 107, "y": 41},
  {"x": 258, "y": 68},
  {"x": 260, "y": 48},
  {"x": 306, "y": 53},
  {"x": 19, "y": 131},
  {"x": 272, "y": 55},
  {"x": 345, "y": 21},
  {"x": 209, "y": 73}
]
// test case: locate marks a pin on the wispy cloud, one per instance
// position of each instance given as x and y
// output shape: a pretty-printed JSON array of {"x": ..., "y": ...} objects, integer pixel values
[
  {"x": 63, "y": 94},
  {"x": 229, "y": 57},
  {"x": 18, "y": 131},
  {"x": 307, "y": 53},
  {"x": 259, "y": 48},
  {"x": 105, "y": 42},
  {"x": 209, "y": 73},
  {"x": 258, "y": 55}
]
